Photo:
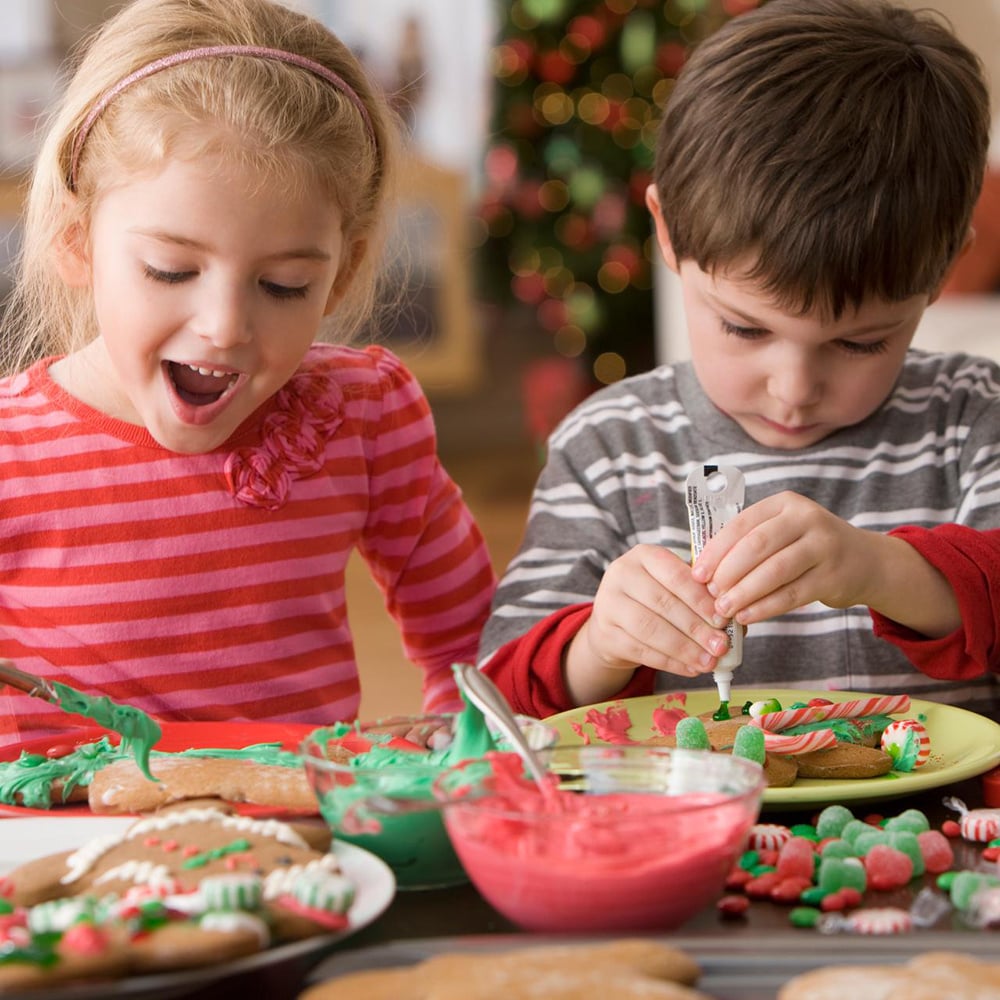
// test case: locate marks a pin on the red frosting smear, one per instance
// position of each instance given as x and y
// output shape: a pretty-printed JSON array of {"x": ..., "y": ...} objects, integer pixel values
[
  {"x": 611, "y": 726},
  {"x": 665, "y": 720},
  {"x": 327, "y": 920}
]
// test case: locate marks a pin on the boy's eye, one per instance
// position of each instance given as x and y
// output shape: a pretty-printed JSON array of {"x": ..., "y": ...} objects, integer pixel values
[
  {"x": 744, "y": 332},
  {"x": 167, "y": 277},
  {"x": 857, "y": 347},
  {"x": 284, "y": 291}
]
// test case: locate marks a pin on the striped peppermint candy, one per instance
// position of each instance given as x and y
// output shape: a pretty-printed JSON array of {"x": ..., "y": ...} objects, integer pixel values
[
  {"x": 899, "y": 734},
  {"x": 818, "y": 739},
  {"x": 768, "y": 837},
  {"x": 980, "y": 825},
  {"x": 879, "y": 920}
]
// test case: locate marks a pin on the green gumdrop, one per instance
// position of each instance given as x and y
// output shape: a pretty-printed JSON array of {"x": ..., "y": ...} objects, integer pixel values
[
  {"x": 837, "y": 849},
  {"x": 906, "y": 841},
  {"x": 832, "y": 820},
  {"x": 842, "y": 873},
  {"x": 691, "y": 734},
  {"x": 854, "y": 829},
  {"x": 749, "y": 743},
  {"x": 966, "y": 884},
  {"x": 866, "y": 840},
  {"x": 912, "y": 820}
]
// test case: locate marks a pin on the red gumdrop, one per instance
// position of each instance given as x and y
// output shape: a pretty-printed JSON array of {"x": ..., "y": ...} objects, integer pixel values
[
  {"x": 936, "y": 850},
  {"x": 887, "y": 868},
  {"x": 797, "y": 859},
  {"x": 766, "y": 856}
]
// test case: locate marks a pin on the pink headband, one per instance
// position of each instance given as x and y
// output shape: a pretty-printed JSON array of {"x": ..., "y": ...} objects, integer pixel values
[{"x": 211, "y": 52}]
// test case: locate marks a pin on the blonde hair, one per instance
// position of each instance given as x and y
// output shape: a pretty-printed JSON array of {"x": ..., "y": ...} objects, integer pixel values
[{"x": 287, "y": 123}]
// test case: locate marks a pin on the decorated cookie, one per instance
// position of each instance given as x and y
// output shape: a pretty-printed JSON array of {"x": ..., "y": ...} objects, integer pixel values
[
  {"x": 626, "y": 969},
  {"x": 120, "y": 787},
  {"x": 179, "y": 889}
]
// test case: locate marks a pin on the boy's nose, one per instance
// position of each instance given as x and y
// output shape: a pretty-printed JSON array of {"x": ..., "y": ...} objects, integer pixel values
[{"x": 796, "y": 381}]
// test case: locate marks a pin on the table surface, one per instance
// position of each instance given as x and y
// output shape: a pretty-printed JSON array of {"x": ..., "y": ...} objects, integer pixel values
[{"x": 742, "y": 959}]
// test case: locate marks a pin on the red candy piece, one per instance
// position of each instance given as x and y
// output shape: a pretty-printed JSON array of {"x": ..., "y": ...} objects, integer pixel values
[
  {"x": 847, "y": 898},
  {"x": 59, "y": 750},
  {"x": 738, "y": 878},
  {"x": 797, "y": 858},
  {"x": 789, "y": 889},
  {"x": 950, "y": 828},
  {"x": 84, "y": 939},
  {"x": 887, "y": 868},
  {"x": 761, "y": 886},
  {"x": 936, "y": 850},
  {"x": 733, "y": 906}
]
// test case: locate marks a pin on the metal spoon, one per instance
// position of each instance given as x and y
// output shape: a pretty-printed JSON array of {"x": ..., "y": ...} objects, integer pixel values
[{"x": 488, "y": 698}]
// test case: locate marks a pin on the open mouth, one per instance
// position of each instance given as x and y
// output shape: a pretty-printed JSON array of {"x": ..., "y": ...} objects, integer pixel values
[{"x": 199, "y": 386}]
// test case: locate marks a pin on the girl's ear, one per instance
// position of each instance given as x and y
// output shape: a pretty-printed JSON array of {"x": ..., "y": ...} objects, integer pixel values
[
  {"x": 349, "y": 265},
  {"x": 662, "y": 235},
  {"x": 72, "y": 256}
]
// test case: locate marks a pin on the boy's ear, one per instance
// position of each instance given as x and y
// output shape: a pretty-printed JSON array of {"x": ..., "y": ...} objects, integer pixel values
[
  {"x": 72, "y": 256},
  {"x": 662, "y": 234},
  {"x": 350, "y": 262}
]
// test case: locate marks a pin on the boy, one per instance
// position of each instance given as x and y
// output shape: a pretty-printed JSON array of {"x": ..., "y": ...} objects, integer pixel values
[{"x": 817, "y": 167}]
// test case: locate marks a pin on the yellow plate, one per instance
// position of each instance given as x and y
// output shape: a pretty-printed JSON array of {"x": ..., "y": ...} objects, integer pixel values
[{"x": 963, "y": 744}]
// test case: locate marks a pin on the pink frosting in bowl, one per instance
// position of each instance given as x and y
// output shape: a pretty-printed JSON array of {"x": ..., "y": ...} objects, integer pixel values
[{"x": 637, "y": 838}]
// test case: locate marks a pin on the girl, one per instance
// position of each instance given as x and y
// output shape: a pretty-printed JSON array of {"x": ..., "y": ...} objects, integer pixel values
[{"x": 184, "y": 471}]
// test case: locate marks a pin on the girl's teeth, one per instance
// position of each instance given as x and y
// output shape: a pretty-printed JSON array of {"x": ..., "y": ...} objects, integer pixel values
[{"x": 209, "y": 371}]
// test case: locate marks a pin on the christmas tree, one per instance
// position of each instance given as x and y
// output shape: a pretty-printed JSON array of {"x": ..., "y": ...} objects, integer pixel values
[{"x": 563, "y": 225}]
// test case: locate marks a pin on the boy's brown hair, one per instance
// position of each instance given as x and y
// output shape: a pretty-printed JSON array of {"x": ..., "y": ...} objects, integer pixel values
[{"x": 831, "y": 150}]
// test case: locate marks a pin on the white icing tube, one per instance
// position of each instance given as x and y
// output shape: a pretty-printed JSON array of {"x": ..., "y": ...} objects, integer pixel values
[{"x": 715, "y": 495}]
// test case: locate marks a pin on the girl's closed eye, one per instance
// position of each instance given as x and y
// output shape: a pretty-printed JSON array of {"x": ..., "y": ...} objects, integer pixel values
[
  {"x": 284, "y": 291},
  {"x": 166, "y": 277}
]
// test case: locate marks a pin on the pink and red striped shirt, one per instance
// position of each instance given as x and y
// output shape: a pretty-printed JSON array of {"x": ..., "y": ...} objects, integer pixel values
[{"x": 211, "y": 587}]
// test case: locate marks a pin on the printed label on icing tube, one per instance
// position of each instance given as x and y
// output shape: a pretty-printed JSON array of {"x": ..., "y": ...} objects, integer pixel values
[{"x": 715, "y": 495}]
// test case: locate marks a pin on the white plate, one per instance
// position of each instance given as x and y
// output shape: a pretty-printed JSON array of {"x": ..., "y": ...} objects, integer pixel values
[{"x": 24, "y": 839}]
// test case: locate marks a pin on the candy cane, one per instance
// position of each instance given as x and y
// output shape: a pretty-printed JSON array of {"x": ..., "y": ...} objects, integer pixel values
[
  {"x": 818, "y": 739},
  {"x": 775, "y": 722},
  {"x": 889, "y": 704}
]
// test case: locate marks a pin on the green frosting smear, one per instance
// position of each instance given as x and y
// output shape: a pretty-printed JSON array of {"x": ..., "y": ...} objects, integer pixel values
[
  {"x": 139, "y": 732},
  {"x": 28, "y": 780}
]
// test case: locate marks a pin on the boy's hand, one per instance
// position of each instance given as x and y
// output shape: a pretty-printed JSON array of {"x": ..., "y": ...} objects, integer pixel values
[
  {"x": 648, "y": 610},
  {"x": 786, "y": 551}
]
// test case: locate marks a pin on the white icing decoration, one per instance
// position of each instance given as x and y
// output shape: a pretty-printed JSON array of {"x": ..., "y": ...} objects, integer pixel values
[
  {"x": 281, "y": 881},
  {"x": 81, "y": 861},
  {"x": 229, "y": 923},
  {"x": 58, "y": 915},
  {"x": 137, "y": 871}
]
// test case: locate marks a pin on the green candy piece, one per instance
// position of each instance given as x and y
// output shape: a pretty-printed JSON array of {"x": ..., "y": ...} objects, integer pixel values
[
  {"x": 912, "y": 820},
  {"x": 832, "y": 820},
  {"x": 842, "y": 873},
  {"x": 854, "y": 829},
  {"x": 749, "y": 860},
  {"x": 749, "y": 743},
  {"x": 804, "y": 916},
  {"x": 806, "y": 830},
  {"x": 837, "y": 849},
  {"x": 905, "y": 841},
  {"x": 813, "y": 896},
  {"x": 691, "y": 734},
  {"x": 966, "y": 884},
  {"x": 865, "y": 841}
]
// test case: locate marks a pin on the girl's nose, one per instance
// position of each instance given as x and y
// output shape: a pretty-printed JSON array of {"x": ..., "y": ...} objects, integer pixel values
[{"x": 224, "y": 318}]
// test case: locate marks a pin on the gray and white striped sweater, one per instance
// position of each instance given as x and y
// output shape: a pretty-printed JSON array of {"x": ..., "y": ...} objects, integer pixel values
[{"x": 615, "y": 478}]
